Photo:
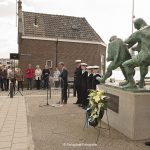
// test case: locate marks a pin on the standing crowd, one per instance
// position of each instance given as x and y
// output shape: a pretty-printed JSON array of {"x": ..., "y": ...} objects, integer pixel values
[
  {"x": 16, "y": 76},
  {"x": 85, "y": 79}
]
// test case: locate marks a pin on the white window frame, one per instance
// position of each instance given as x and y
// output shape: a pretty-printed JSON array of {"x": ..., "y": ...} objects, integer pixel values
[{"x": 49, "y": 63}]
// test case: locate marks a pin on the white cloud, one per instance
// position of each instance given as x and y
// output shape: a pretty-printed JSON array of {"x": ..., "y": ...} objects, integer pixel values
[
  {"x": 107, "y": 17},
  {"x": 4, "y": 3}
]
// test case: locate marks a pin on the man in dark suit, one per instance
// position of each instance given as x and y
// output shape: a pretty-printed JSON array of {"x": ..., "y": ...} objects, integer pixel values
[
  {"x": 77, "y": 80},
  {"x": 64, "y": 82}
]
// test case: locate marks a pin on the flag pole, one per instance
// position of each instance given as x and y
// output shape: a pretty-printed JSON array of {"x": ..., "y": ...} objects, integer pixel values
[
  {"x": 16, "y": 13},
  {"x": 133, "y": 16}
]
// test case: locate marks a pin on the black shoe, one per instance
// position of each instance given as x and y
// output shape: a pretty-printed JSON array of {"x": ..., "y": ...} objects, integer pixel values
[
  {"x": 76, "y": 103},
  {"x": 147, "y": 143}
]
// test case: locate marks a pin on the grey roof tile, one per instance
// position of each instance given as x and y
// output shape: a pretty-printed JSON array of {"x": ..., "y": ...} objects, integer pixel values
[{"x": 58, "y": 26}]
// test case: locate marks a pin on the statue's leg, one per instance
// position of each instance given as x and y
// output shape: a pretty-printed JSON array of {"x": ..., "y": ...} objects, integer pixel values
[
  {"x": 123, "y": 71},
  {"x": 108, "y": 73},
  {"x": 129, "y": 66},
  {"x": 143, "y": 73},
  {"x": 125, "y": 75}
]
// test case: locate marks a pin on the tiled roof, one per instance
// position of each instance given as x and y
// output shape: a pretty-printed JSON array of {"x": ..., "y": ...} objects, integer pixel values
[{"x": 58, "y": 26}]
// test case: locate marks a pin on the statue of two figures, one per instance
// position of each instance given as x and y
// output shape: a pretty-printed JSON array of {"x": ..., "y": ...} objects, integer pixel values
[{"x": 119, "y": 55}]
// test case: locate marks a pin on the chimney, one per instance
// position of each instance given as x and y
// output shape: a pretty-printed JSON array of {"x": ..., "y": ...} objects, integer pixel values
[
  {"x": 19, "y": 5},
  {"x": 20, "y": 26}
]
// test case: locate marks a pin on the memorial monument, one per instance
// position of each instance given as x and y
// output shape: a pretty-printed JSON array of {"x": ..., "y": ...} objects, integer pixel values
[
  {"x": 117, "y": 54},
  {"x": 129, "y": 104},
  {"x": 142, "y": 59}
]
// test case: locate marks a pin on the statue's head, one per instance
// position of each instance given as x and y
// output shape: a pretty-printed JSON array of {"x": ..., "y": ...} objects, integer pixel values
[
  {"x": 112, "y": 38},
  {"x": 139, "y": 23}
]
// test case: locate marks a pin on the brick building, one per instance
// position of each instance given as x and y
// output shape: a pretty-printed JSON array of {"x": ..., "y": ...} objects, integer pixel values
[{"x": 46, "y": 38}]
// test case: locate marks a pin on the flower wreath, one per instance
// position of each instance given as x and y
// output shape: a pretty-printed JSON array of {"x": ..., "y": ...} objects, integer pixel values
[{"x": 97, "y": 105}]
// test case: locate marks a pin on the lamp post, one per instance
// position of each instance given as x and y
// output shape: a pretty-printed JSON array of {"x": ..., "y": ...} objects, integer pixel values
[
  {"x": 56, "y": 55},
  {"x": 133, "y": 16}
]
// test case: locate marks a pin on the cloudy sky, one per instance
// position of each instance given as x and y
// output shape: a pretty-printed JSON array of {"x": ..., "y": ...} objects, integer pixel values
[{"x": 107, "y": 17}]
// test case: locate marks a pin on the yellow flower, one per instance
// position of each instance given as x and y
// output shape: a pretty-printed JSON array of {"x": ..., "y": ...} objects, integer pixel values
[
  {"x": 91, "y": 94},
  {"x": 96, "y": 98}
]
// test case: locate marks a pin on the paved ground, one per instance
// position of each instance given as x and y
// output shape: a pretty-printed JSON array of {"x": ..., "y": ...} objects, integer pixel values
[
  {"x": 52, "y": 128},
  {"x": 61, "y": 128},
  {"x": 13, "y": 124}
]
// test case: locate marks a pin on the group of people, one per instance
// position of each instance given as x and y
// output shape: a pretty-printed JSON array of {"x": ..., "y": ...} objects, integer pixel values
[
  {"x": 85, "y": 79},
  {"x": 7, "y": 74},
  {"x": 40, "y": 75},
  {"x": 16, "y": 75}
]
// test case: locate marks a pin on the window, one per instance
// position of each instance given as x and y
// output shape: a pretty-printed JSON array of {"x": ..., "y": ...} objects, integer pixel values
[
  {"x": 102, "y": 60},
  {"x": 102, "y": 64},
  {"x": 49, "y": 63}
]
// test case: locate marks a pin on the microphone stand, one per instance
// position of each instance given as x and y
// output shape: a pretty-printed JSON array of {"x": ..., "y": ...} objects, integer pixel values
[
  {"x": 47, "y": 91},
  {"x": 60, "y": 102}
]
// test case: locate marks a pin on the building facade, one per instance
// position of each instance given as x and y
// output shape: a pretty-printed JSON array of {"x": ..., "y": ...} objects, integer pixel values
[
  {"x": 49, "y": 39},
  {"x": 6, "y": 62}
]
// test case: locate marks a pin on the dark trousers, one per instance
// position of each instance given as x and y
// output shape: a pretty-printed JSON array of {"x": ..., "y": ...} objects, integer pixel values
[
  {"x": 38, "y": 83},
  {"x": 84, "y": 96},
  {"x": 78, "y": 90},
  {"x": 64, "y": 97},
  {"x": 20, "y": 85},
  {"x": 13, "y": 81},
  {"x": 3, "y": 84},
  {"x": 74, "y": 91},
  {"x": 29, "y": 83},
  {"x": 57, "y": 83},
  {"x": 7, "y": 84},
  {"x": 46, "y": 80}
]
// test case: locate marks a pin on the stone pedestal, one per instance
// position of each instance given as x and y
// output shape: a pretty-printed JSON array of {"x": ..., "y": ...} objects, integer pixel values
[{"x": 133, "y": 116}]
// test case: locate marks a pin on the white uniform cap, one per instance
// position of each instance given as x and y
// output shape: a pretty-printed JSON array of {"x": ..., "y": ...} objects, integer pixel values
[
  {"x": 89, "y": 67},
  {"x": 83, "y": 64},
  {"x": 95, "y": 67},
  {"x": 77, "y": 61}
]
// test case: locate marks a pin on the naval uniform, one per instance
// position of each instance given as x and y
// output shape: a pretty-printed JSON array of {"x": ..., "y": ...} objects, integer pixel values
[
  {"x": 77, "y": 83},
  {"x": 84, "y": 93},
  {"x": 95, "y": 82},
  {"x": 89, "y": 81},
  {"x": 89, "y": 85}
]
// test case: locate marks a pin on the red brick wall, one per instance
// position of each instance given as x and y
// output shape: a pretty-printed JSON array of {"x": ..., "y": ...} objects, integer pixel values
[{"x": 42, "y": 50}]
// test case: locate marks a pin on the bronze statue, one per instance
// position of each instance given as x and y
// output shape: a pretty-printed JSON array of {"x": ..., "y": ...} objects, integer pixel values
[
  {"x": 117, "y": 54},
  {"x": 139, "y": 24},
  {"x": 142, "y": 59}
]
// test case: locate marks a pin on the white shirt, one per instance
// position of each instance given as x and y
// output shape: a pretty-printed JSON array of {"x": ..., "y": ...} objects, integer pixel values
[
  {"x": 56, "y": 74},
  {"x": 38, "y": 74}
]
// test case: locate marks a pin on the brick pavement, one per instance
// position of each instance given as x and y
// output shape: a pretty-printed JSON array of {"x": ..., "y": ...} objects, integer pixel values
[{"x": 13, "y": 123}]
